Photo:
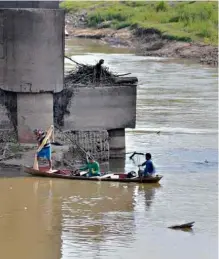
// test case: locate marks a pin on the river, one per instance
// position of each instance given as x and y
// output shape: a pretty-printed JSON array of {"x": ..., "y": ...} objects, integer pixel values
[{"x": 177, "y": 122}]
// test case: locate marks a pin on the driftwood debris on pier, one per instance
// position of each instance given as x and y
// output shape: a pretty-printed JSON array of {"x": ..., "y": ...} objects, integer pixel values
[{"x": 96, "y": 74}]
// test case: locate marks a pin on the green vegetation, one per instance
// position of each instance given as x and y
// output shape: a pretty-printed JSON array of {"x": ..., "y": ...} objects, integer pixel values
[{"x": 187, "y": 21}]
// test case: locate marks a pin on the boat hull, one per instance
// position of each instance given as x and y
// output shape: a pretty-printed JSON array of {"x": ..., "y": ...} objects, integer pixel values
[{"x": 65, "y": 174}]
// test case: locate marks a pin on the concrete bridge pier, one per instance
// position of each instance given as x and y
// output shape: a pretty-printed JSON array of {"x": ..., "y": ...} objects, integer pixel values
[
  {"x": 32, "y": 37},
  {"x": 33, "y": 111},
  {"x": 117, "y": 142},
  {"x": 111, "y": 108},
  {"x": 32, "y": 64}
]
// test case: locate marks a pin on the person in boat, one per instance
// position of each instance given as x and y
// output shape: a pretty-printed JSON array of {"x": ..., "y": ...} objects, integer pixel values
[
  {"x": 149, "y": 169},
  {"x": 98, "y": 69},
  {"x": 45, "y": 152},
  {"x": 92, "y": 167}
]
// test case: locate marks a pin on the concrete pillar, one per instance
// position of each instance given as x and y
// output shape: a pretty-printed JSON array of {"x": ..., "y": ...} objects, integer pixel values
[
  {"x": 117, "y": 143},
  {"x": 33, "y": 111},
  {"x": 32, "y": 63},
  {"x": 30, "y": 4},
  {"x": 32, "y": 50},
  {"x": 8, "y": 116},
  {"x": 88, "y": 108}
]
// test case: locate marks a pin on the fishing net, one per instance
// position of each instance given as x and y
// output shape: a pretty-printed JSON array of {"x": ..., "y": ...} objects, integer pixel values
[{"x": 83, "y": 144}]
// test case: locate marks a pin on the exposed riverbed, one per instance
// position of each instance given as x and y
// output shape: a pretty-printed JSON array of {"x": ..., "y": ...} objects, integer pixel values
[
  {"x": 147, "y": 42},
  {"x": 177, "y": 123}
]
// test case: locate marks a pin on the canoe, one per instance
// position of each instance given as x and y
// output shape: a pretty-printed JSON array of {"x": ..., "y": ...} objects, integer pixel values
[{"x": 114, "y": 177}]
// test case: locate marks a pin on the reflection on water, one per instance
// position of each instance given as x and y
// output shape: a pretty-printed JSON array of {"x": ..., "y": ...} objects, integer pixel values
[
  {"x": 59, "y": 219},
  {"x": 148, "y": 192},
  {"x": 97, "y": 216},
  {"x": 27, "y": 218},
  {"x": 50, "y": 216},
  {"x": 44, "y": 218}
]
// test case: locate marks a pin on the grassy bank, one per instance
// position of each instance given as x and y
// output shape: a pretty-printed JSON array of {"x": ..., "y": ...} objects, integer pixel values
[{"x": 186, "y": 21}]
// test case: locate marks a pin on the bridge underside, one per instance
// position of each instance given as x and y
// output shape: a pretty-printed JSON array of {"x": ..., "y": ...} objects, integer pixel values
[{"x": 32, "y": 80}]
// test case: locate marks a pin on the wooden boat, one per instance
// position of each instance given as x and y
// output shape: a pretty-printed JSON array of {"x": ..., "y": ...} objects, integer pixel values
[{"x": 67, "y": 174}]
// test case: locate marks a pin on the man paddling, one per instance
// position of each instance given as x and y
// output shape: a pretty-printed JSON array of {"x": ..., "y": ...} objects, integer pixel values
[
  {"x": 45, "y": 152},
  {"x": 149, "y": 169},
  {"x": 92, "y": 167}
]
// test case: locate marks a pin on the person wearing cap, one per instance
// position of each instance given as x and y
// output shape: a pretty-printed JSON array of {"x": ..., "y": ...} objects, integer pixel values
[
  {"x": 92, "y": 166},
  {"x": 45, "y": 152}
]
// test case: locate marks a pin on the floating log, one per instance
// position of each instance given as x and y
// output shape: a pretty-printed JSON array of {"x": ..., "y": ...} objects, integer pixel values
[{"x": 183, "y": 226}]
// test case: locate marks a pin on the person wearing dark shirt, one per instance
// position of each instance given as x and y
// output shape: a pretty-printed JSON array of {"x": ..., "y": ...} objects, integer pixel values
[
  {"x": 98, "y": 69},
  {"x": 149, "y": 166}
]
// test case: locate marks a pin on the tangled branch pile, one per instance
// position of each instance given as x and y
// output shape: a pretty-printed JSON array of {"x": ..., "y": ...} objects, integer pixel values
[{"x": 88, "y": 74}]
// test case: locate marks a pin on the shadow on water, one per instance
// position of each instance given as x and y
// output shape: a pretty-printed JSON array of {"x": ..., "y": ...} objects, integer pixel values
[
  {"x": 187, "y": 230},
  {"x": 11, "y": 173},
  {"x": 117, "y": 165},
  {"x": 103, "y": 213}
]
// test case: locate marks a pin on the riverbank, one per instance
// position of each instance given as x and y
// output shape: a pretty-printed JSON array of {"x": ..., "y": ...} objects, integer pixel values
[
  {"x": 149, "y": 43},
  {"x": 119, "y": 26}
]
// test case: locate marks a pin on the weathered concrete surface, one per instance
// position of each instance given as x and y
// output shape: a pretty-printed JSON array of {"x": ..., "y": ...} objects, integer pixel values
[
  {"x": 8, "y": 116},
  {"x": 31, "y": 50},
  {"x": 80, "y": 108},
  {"x": 6, "y": 127},
  {"x": 112, "y": 107},
  {"x": 96, "y": 143},
  {"x": 33, "y": 111},
  {"x": 117, "y": 143},
  {"x": 30, "y": 4}
]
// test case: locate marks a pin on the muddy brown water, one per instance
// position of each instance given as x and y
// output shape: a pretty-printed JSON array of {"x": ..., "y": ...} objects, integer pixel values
[{"x": 57, "y": 219}]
